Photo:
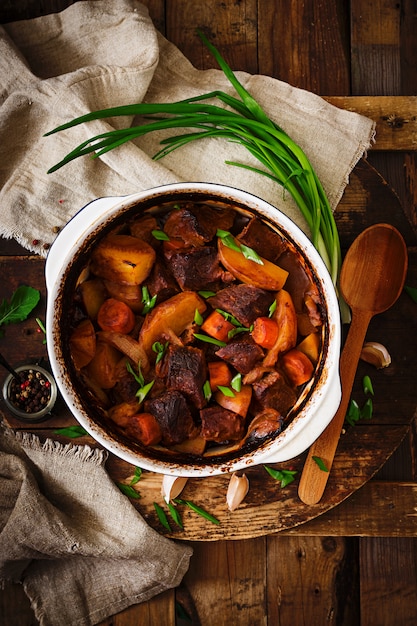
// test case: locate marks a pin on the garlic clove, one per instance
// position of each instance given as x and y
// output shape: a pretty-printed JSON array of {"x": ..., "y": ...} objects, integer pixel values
[
  {"x": 237, "y": 490},
  {"x": 376, "y": 354},
  {"x": 172, "y": 486}
]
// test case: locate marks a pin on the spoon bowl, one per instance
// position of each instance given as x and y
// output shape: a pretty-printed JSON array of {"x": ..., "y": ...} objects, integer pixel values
[
  {"x": 373, "y": 273},
  {"x": 371, "y": 280}
]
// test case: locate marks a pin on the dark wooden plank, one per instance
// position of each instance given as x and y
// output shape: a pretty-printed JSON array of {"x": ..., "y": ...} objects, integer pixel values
[
  {"x": 311, "y": 579},
  {"x": 305, "y": 44},
  {"x": 231, "y": 26},
  {"x": 227, "y": 582},
  {"x": 378, "y": 509},
  {"x": 388, "y": 576},
  {"x": 395, "y": 118}
]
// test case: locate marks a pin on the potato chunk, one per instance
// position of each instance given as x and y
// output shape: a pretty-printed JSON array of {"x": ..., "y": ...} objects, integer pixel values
[
  {"x": 82, "y": 343},
  {"x": 170, "y": 317},
  {"x": 266, "y": 276},
  {"x": 123, "y": 259}
]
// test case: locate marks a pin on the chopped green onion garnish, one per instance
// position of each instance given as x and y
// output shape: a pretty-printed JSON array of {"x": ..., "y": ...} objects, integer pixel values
[
  {"x": 198, "y": 318},
  {"x": 207, "y": 390},
  {"x": 284, "y": 477},
  {"x": 320, "y": 463},
  {"x": 159, "y": 349},
  {"x": 161, "y": 516},
  {"x": 148, "y": 302},
  {"x": 198, "y": 510},
  {"x": 236, "y": 383},
  {"x": 367, "y": 385},
  {"x": 175, "y": 514},
  {"x": 272, "y": 308},
  {"x": 367, "y": 409},
  {"x": 226, "y": 391},
  {"x": 160, "y": 235},
  {"x": 209, "y": 339},
  {"x": 231, "y": 242},
  {"x": 128, "y": 491},
  {"x": 206, "y": 294}
]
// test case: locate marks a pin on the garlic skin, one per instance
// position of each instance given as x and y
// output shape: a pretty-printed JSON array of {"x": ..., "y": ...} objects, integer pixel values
[
  {"x": 172, "y": 486},
  {"x": 376, "y": 354},
  {"x": 237, "y": 490}
]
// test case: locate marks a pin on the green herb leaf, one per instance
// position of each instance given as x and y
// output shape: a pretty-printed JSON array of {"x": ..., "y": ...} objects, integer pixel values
[
  {"x": 160, "y": 235},
  {"x": 353, "y": 413},
  {"x": 367, "y": 409},
  {"x": 209, "y": 339},
  {"x": 137, "y": 476},
  {"x": 320, "y": 463},
  {"x": 198, "y": 510},
  {"x": 71, "y": 431},
  {"x": 144, "y": 389},
  {"x": 175, "y": 514},
  {"x": 206, "y": 294},
  {"x": 236, "y": 383},
  {"x": 148, "y": 302},
  {"x": 128, "y": 491},
  {"x": 283, "y": 476},
  {"x": 162, "y": 516},
  {"x": 412, "y": 292},
  {"x": 272, "y": 308},
  {"x": 229, "y": 241},
  {"x": 207, "y": 390},
  {"x": 226, "y": 391},
  {"x": 198, "y": 318},
  {"x": 22, "y": 302},
  {"x": 367, "y": 385},
  {"x": 159, "y": 349}
]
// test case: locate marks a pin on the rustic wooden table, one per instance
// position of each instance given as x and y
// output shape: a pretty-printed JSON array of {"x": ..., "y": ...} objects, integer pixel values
[{"x": 351, "y": 559}]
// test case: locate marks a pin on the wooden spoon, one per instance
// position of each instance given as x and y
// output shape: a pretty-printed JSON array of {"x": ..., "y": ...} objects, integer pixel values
[{"x": 371, "y": 279}]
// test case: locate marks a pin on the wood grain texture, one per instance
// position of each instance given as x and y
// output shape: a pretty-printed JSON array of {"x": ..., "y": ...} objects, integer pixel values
[{"x": 338, "y": 49}]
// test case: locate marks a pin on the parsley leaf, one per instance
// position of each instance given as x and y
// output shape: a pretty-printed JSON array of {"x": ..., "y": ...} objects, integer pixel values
[{"x": 22, "y": 302}]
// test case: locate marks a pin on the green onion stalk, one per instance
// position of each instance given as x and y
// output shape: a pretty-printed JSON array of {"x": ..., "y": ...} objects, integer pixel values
[{"x": 243, "y": 121}]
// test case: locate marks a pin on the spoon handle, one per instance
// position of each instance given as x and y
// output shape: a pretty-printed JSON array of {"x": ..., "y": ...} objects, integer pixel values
[{"x": 314, "y": 479}]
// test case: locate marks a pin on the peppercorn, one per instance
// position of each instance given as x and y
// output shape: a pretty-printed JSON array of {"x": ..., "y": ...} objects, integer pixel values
[{"x": 30, "y": 392}]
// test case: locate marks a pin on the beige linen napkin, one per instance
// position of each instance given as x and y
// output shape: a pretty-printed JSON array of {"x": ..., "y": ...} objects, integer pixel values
[
  {"x": 80, "y": 548},
  {"x": 106, "y": 53}
]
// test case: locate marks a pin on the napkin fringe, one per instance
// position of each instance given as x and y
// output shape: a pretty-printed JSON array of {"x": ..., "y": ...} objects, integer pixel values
[{"x": 82, "y": 453}]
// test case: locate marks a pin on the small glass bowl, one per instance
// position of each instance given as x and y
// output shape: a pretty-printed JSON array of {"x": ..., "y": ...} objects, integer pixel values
[{"x": 37, "y": 416}]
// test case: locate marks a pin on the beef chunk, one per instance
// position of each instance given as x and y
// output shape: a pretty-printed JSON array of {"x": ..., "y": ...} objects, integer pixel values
[
  {"x": 198, "y": 268},
  {"x": 245, "y": 302},
  {"x": 272, "y": 391},
  {"x": 142, "y": 228},
  {"x": 221, "y": 425},
  {"x": 261, "y": 238},
  {"x": 173, "y": 416},
  {"x": 161, "y": 283},
  {"x": 242, "y": 353},
  {"x": 196, "y": 225},
  {"x": 185, "y": 371}
]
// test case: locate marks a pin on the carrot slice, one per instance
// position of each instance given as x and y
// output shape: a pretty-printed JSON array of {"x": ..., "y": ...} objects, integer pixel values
[
  {"x": 217, "y": 326},
  {"x": 219, "y": 374},
  {"x": 144, "y": 428},
  {"x": 297, "y": 367},
  {"x": 265, "y": 332},
  {"x": 115, "y": 315}
]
